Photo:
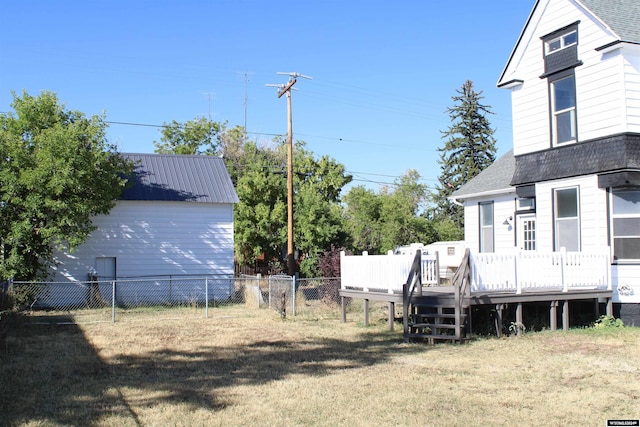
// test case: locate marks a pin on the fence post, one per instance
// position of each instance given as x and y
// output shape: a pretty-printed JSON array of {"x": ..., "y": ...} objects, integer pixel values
[
  {"x": 259, "y": 276},
  {"x": 206, "y": 297},
  {"x": 113, "y": 301},
  {"x": 294, "y": 283}
]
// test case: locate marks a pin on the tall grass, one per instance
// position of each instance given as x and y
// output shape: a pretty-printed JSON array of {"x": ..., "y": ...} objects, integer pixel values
[{"x": 253, "y": 368}]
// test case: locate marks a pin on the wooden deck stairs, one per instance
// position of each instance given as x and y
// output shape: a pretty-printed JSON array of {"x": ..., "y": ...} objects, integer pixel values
[{"x": 440, "y": 313}]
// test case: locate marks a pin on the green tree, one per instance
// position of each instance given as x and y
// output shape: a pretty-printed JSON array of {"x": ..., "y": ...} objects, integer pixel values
[
  {"x": 261, "y": 216},
  {"x": 197, "y": 136},
  {"x": 317, "y": 213},
  {"x": 377, "y": 223},
  {"x": 402, "y": 222},
  {"x": 469, "y": 148},
  {"x": 362, "y": 219},
  {"x": 57, "y": 171}
]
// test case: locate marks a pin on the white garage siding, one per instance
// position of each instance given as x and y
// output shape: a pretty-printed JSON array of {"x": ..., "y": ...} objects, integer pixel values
[{"x": 157, "y": 238}]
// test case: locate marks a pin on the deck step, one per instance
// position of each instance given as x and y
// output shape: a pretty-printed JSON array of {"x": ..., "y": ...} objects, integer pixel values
[
  {"x": 432, "y": 305},
  {"x": 435, "y": 337},
  {"x": 441, "y": 315},
  {"x": 433, "y": 325}
]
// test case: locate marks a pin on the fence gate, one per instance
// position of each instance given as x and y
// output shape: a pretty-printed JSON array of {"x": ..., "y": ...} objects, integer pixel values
[{"x": 282, "y": 294}]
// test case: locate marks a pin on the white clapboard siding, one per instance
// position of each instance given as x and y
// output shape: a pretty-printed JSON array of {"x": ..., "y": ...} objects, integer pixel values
[
  {"x": 626, "y": 287},
  {"x": 157, "y": 238},
  {"x": 607, "y": 83},
  {"x": 592, "y": 211}
]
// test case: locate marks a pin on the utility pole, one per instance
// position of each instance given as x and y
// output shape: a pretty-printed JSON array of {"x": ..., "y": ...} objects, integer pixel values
[{"x": 282, "y": 89}]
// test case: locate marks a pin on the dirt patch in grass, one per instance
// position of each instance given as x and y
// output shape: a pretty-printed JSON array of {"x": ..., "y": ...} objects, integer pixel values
[{"x": 250, "y": 367}]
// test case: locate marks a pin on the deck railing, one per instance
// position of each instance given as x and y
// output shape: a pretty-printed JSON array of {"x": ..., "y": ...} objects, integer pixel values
[
  {"x": 523, "y": 271},
  {"x": 385, "y": 272}
]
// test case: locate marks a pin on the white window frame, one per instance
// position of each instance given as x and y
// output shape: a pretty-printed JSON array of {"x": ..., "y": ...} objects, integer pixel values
[
  {"x": 558, "y": 221},
  {"x": 525, "y": 204},
  {"x": 571, "y": 110},
  {"x": 486, "y": 230},
  {"x": 624, "y": 216},
  {"x": 562, "y": 40}
]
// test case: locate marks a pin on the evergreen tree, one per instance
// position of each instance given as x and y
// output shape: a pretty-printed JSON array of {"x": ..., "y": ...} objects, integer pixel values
[{"x": 469, "y": 148}]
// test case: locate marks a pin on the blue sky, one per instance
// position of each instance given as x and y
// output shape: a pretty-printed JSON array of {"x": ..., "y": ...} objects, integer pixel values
[{"x": 383, "y": 72}]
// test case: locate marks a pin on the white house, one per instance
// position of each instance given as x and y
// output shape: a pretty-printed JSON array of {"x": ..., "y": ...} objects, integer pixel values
[
  {"x": 572, "y": 179},
  {"x": 176, "y": 219}
]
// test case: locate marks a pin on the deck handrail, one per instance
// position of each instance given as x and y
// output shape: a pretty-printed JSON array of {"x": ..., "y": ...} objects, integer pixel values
[
  {"x": 520, "y": 271},
  {"x": 461, "y": 290},
  {"x": 409, "y": 288}
]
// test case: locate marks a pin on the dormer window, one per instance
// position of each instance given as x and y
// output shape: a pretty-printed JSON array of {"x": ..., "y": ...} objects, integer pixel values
[
  {"x": 561, "y": 42},
  {"x": 561, "y": 50}
]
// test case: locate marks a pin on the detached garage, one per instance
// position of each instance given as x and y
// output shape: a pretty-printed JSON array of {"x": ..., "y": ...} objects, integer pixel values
[{"x": 176, "y": 219}]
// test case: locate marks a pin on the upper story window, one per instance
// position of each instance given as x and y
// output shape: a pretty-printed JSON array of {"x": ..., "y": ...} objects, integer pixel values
[
  {"x": 561, "y": 42},
  {"x": 563, "y": 108},
  {"x": 561, "y": 50},
  {"x": 560, "y": 61}
]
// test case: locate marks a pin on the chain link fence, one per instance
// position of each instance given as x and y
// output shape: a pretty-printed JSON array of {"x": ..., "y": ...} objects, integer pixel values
[{"x": 108, "y": 300}]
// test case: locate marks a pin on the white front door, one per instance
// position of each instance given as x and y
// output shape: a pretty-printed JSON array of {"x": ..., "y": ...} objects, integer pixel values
[{"x": 527, "y": 232}]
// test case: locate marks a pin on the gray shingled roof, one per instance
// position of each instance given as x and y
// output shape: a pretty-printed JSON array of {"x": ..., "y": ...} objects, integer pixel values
[
  {"x": 622, "y": 16},
  {"x": 171, "y": 177},
  {"x": 493, "y": 179}
]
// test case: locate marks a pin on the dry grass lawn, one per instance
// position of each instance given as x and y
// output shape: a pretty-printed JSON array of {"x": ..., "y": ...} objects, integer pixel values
[{"x": 249, "y": 367}]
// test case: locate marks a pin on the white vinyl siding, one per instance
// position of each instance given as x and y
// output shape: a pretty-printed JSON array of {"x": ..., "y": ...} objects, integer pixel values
[
  {"x": 632, "y": 89},
  {"x": 503, "y": 208},
  {"x": 157, "y": 238},
  {"x": 593, "y": 212},
  {"x": 607, "y": 84},
  {"x": 626, "y": 286}
]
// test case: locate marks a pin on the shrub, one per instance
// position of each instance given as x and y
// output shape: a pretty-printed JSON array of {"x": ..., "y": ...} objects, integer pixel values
[{"x": 608, "y": 322}]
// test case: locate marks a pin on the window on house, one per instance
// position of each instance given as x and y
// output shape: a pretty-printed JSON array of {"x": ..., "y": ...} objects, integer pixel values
[
  {"x": 625, "y": 218},
  {"x": 563, "y": 109},
  {"x": 567, "y": 219},
  {"x": 560, "y": 42},
  {"x": 486, "y": 227},
  {"x": 526, "y": 204}
]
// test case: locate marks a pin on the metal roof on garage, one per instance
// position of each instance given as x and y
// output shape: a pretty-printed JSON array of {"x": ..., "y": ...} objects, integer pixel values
[{"x": 180, "y": 178}]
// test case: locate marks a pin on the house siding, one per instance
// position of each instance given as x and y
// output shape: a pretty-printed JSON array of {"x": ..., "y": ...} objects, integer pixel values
[
  {"x": 503, "y": 207},
  {"x": 157, "y": 238},
  {"x": 600, "y": 106},
  {"x": 625, "y": 276},
  {"x": 592, "y": 212},
  {"x": 632, "y": 89}
]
